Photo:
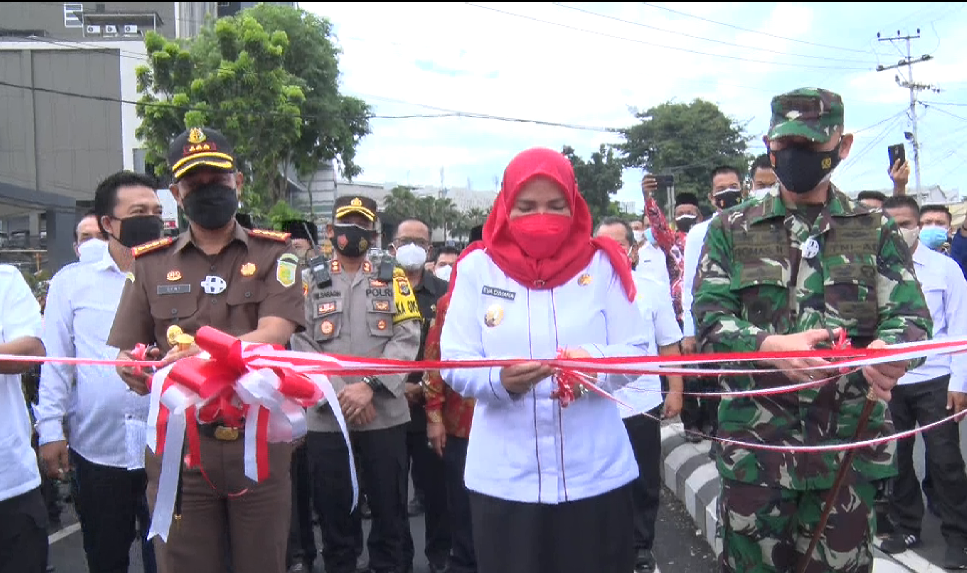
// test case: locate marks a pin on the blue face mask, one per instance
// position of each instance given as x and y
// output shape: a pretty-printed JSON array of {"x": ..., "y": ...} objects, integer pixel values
[
  {"x": 933, "y": 237},
  {"x": 650, "y": 236}
]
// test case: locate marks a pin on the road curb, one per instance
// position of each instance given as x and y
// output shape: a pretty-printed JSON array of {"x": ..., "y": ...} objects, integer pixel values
[{"x": 688, "y": 472}]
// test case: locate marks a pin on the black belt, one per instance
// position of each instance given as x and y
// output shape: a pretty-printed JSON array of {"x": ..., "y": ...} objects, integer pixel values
[{"x": 220, "y": 432}]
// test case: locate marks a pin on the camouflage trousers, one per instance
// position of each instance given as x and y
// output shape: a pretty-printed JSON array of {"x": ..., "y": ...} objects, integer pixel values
[{"x": 767, "y": 529}]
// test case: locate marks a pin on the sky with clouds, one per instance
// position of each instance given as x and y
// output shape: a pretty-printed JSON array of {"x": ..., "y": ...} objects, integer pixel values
[{"x": 588, "y": 65}]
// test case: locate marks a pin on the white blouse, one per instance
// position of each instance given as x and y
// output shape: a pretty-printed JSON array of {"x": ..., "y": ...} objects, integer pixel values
[{"x": 527, "y": 448}]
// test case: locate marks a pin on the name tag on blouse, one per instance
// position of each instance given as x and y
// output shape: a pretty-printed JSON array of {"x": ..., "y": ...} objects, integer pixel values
[{"x": 499, "y": 293}]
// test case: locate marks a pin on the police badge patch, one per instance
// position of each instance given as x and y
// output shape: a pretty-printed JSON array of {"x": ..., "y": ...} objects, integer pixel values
[{"x": 286, "y": 269}]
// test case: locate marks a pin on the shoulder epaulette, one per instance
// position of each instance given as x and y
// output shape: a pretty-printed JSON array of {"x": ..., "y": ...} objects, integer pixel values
[
  {"x": 152, "y": 246},
  {"x": 266, "y": 234}
]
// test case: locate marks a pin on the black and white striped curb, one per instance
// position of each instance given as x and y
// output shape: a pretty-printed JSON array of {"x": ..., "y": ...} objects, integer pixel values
[{"x": 690, "y": 474}]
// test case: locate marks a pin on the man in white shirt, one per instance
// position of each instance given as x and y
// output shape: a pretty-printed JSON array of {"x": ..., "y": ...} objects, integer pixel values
[
  {"x": 106, "y": 420},
  {"x": 23, "y": 515},
  {"x": 644, "y": 395},
  {"x": 699, "y": 415},
  {"x": 927, "y": 394},
  {"x": 85, "y": 230}
]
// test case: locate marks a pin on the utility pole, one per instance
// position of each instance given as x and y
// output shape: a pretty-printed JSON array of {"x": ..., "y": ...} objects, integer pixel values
[{"x": 914, "y": 89}]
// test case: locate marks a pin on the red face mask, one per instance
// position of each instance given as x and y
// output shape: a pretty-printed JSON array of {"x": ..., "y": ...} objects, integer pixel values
[{"x": 540, "y": 235}]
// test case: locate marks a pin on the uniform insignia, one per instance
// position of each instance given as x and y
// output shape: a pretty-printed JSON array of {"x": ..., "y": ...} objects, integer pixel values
[
  {"x": 584, "y": 280},
  {"x": 305, "y": 288},
  {"x": 174, "y": 275},
  {"x": 335, "y": 267},
  {"x": 404, "y": 286},
  {"x": 494, "y": 315},
  {"x": 273, "y": 235},
  {"x": 342, "y": 241},
  {"x": 381, "y": 305},
  {"x": 248, "y": 269},
  {"x": 151, "y": 246},
  {"x": 810, "y": 248},
  {"x": 326, "y": 327},
  {"x": 381, "y": 325},
  {"x": 499, "y": 293},
  {"x": 363, "y": 244},
  {"x": 356, "y": 202},
  {"x": 376, "y": 283},
  {"x": 286, "y": 269},
  {"x": 326, "y": 308},
  {"x": 367, "y": 267},
  {"x": 196, "y": 136},
  {"x": 214, "y": 285}
]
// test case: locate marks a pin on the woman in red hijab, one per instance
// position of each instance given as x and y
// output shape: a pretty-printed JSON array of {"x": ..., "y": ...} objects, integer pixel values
[{"x": 549, "y": 485}]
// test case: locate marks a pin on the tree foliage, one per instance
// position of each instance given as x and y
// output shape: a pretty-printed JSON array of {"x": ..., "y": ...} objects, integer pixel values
[
  {"x": 437, "y": 213},
  {"x": 687, "y": 140},
  {"x": 268, "y": 79},
  {"x": 598, "y": 179}
]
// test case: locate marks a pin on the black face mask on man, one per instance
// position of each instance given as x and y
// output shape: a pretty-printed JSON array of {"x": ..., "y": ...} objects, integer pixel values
[
  {"x": 139, "y": 229},
  {"x": 727, "y": 198},
  {"x": 352, "y": 240},
  {"x": 685, "y": 222},
  {"x": 211, "y": 206},
  {"x": 800, "y": 169}
]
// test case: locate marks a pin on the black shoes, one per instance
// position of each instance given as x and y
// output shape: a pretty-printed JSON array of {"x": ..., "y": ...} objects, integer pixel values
[{"x": 899, "y": 542}]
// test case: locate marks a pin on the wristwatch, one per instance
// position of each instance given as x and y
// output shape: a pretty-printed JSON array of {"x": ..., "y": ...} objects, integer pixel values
[{"x": 373, "y": 382}]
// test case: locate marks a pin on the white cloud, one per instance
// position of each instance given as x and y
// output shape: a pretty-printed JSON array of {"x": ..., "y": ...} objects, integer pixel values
[{"x": 459, "y": 57}]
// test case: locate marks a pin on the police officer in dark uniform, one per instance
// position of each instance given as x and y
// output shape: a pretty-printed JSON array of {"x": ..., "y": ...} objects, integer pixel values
[
  {"x": 411, "y": 247},
  {"x": 243, "y": 282},
  {"x": 301, "y": 553},
  {"x": 361, "y": 306}
]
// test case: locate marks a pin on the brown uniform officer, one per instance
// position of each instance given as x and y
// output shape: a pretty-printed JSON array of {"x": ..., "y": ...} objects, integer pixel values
[{"x": 246, "y": 283}]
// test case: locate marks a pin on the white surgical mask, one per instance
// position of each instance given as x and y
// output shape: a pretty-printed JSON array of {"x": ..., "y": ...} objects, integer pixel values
[
  {"x": 910, "y": 237},
  {"x": 444, "y": 272},
  {"x": 411, "y": 256},
  {"x": 639, "y": 236},
  {"x": 762, "y": 192}
]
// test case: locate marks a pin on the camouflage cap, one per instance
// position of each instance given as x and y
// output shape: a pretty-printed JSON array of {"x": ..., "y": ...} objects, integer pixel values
[{"x": 812, "y": 113}]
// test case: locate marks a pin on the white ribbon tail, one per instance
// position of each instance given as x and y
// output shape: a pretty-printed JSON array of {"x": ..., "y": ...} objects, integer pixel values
[
  {"x": 178, "y": 401},
  {"x": 330, "y": 394}
]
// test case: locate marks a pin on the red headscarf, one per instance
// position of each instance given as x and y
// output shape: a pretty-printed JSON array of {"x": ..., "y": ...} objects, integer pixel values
[{"x": 577, "y": 249}]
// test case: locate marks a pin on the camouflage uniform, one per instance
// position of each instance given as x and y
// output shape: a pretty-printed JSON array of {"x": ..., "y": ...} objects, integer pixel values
[{"x": 754, "y": 281}]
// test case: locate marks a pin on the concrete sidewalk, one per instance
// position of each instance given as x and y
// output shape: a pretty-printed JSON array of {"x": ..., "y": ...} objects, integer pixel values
[{"x": 688, "y": 471}]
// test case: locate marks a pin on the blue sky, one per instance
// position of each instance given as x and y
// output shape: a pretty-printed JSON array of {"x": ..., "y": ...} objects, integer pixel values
[{"x": 589, "y": 64}]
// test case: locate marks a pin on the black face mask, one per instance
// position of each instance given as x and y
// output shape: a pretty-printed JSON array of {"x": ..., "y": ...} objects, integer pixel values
[
  {"x": 800, "y": 169},
  {"x": 727, "y": 199},
  {"x": 211, "y": 206},
  {"x": 139, "y": 229},
  {"x": 685, "y": 222},
  {"x": 352, "y": 240}
]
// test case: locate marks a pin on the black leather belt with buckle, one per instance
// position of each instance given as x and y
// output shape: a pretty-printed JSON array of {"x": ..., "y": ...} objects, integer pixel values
[{"x": 220, "y": 432}]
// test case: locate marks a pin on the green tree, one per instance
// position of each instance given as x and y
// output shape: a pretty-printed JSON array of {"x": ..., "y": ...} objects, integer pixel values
[
  {"x": 267, "y": 78},
  {"x": 447, "y": 215},
  {"x": 598, "y": 179},
  {"x": 687, "y": 140},
  {"x": 400, "y": 204}
]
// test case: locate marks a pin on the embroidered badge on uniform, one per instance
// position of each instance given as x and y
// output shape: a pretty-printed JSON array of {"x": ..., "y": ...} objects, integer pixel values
[
  {"x": 326, "y": 327},
  {"x": 584, "y": 280},
  {"x": 381, "y": 305},
  {"x": 286, "y": 269},
  {"x": 404, "y": 286},
  {"x": 248, "y": 269},
  {"x": 381, "y": 325},
  {"x": 494, "y": 315},
  {"x": 174, "y": 275}
]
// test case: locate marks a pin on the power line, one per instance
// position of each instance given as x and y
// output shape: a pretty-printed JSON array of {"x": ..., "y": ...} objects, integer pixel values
[
  {"x": 704, "y": 39},
  {"x": 733, "y": 26},
  {"x": 446, "y": 114},
  {"x": 655, "y": 45},
  {"x": 944, "y": 103}
]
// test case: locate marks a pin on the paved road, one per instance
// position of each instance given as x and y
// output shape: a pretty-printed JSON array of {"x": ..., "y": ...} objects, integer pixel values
[
  {"x": 933, "y": 544},
  {"x": 678, "y": 547}
]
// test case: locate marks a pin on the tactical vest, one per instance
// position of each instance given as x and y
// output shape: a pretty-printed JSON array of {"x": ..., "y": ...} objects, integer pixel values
[
  {"x": 848, "y": 255},
  {"x": 326, "y": 307}
]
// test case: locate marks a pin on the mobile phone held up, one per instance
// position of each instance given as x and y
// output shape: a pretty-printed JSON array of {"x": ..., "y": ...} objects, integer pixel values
[
  {"x": 897, "y": 152},
  {"x": 665, "y": 181}
]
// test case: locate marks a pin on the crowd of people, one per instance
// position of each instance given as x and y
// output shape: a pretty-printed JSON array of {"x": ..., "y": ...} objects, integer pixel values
[{"x": 513, "y": 469}]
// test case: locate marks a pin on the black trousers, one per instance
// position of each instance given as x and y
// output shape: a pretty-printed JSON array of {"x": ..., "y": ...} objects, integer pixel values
[
  {"x": 700, "y": 412},
  {"x": 429, "y": 481},
  {"x": 23, "y": 533},
  {"x": 593, "y": 534},
  {"x": 302, "y": 539},
  {"x": 382, "y": 455},
  {"x": 112, "y": 508},
  {"x": 645, "y": 435},
  {"x": 925, "y": 403},
  {"x": 462, "y": 558}
]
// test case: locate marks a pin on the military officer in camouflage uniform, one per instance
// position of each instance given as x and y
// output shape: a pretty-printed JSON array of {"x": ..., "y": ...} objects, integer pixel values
[
  {"x": 364, "y": 307},
  {"x": 785, "y": 273}
]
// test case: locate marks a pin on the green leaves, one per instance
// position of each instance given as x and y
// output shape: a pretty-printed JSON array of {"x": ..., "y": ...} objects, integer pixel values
[
  {"x": 438, "y": 213},
  {"x": 598, "y": 179},
  {"x": 266, "y": 78}
]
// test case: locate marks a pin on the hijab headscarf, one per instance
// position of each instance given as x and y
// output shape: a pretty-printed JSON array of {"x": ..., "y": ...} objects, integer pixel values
[{"x": 575, "y": 250}]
